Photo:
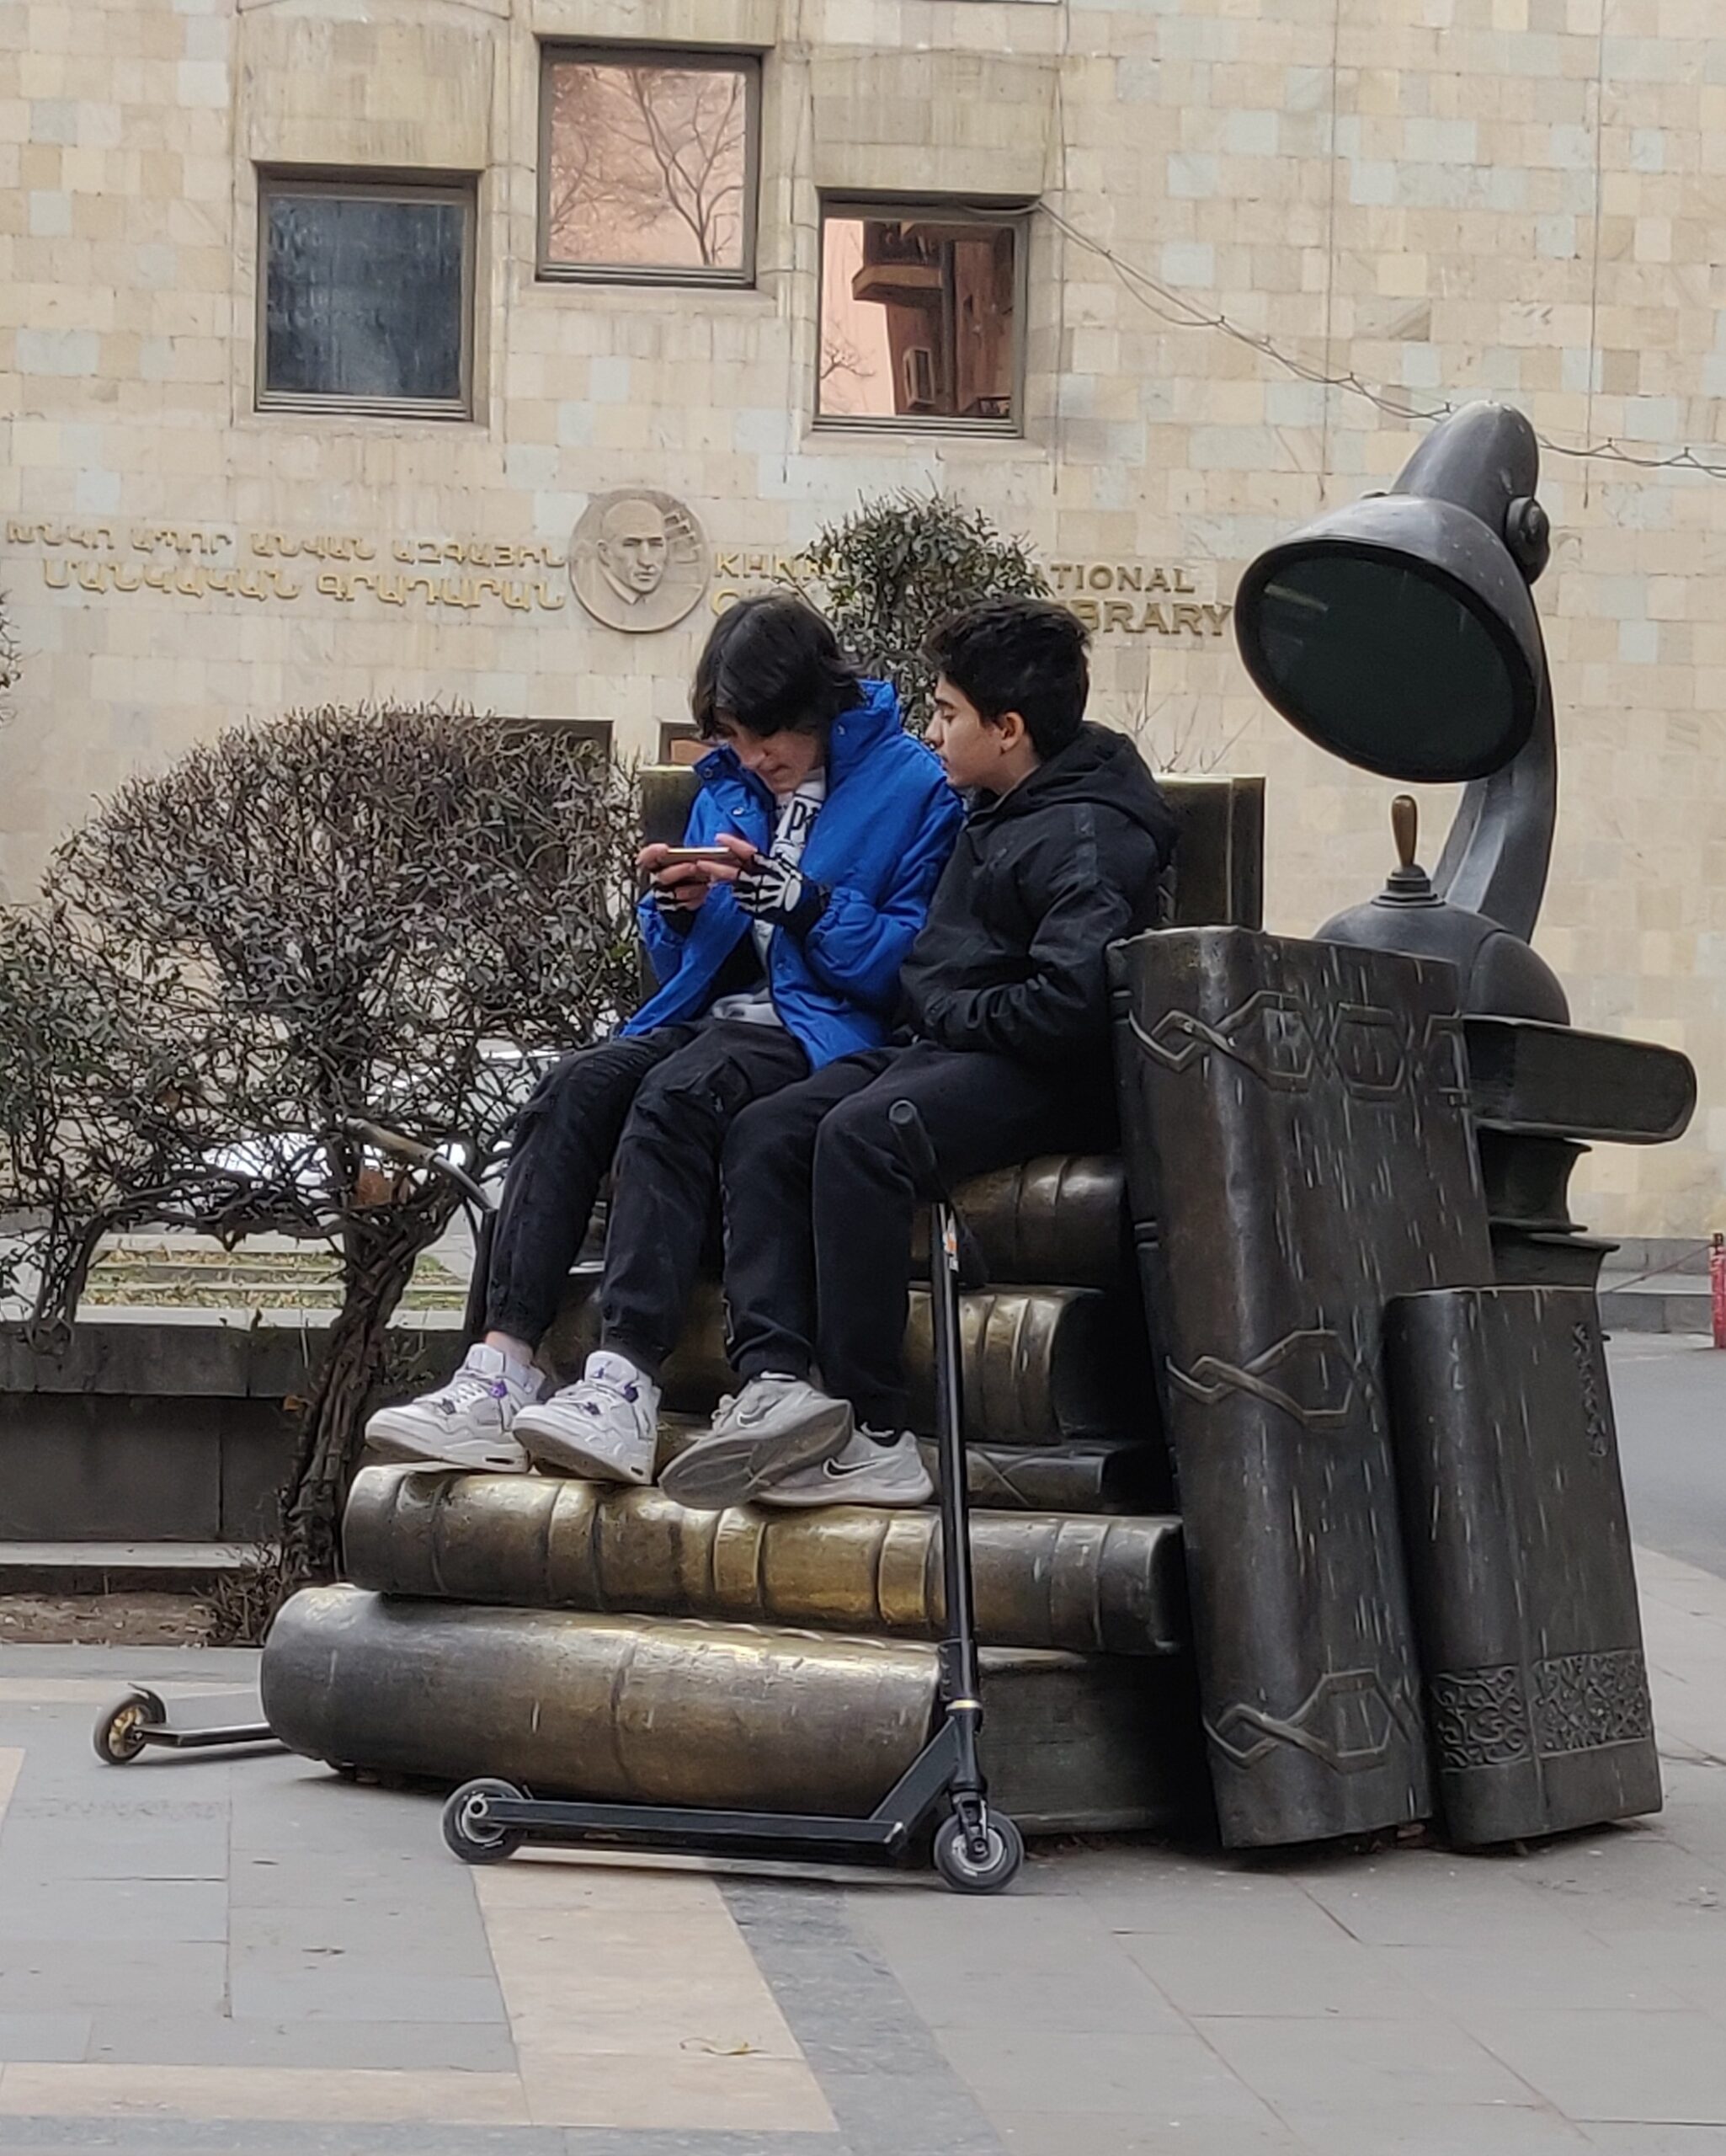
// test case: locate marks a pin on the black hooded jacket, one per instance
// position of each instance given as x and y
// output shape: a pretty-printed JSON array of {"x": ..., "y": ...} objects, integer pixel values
[{"x": 1043, "y": 879}]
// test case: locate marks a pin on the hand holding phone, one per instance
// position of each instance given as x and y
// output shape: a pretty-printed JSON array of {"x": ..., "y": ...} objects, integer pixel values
[{"x": 736, "y": 856}]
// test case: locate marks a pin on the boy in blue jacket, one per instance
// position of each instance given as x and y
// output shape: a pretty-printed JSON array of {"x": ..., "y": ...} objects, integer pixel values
[{"x": 772, "y": 966}]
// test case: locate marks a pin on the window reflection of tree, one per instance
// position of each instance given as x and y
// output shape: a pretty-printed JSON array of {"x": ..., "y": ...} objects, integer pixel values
[{"x": 653, "y": 155}]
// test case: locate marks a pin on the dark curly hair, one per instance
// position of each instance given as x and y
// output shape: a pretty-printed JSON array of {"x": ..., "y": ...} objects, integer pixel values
[
  {"x": 772, "y": 664},
  {"x": 1018, "y": 654}
]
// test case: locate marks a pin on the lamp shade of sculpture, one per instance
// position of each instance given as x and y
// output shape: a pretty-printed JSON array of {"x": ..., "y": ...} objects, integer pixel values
[{"x": 1400, "y": 633}]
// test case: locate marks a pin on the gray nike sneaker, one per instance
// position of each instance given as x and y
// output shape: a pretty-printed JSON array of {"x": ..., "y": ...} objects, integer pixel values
[
  {"x": 774, "y": 1426},
  {"x": 865, "y": 1473}
]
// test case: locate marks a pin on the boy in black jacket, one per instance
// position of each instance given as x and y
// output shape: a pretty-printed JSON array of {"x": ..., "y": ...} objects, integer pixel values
[{"x": 1006, "y": 1056}]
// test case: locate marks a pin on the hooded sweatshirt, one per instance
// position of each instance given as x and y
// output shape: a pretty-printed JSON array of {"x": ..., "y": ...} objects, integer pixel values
[{"x": 1043, "y": 879}]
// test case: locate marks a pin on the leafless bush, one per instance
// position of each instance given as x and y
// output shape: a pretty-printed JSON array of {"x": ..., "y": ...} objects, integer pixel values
[{"x": 371, "y": 914}]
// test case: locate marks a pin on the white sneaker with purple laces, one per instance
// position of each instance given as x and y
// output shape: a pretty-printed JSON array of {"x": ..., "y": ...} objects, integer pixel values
[
  {"x": 604, "y": 1428},
  {"x": 468, "y": 1422}
]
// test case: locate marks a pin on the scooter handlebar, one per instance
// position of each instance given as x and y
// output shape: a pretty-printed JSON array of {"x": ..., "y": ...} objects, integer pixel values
[{"x": 916, "y": 1151}]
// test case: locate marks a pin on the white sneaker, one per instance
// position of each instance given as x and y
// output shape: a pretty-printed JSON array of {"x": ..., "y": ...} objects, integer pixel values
[
  {"x": 466, "y": 1423},
  {"x": 773, "y": 1427},
  {"x": 604, "y": 1429},
  {"x": 865, "y": 1473}
]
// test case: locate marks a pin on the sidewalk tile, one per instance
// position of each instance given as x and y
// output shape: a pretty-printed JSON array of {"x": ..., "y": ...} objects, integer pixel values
[
  {"x": 1050, "y": 1963},
  {"x": 243, "y": 2093},
  {"x": 1424, "y": 1898},
  {"x": 284, "y": 1878},
  {"x": 1655, "y": 2140},
  {"x": 1687, "y": 1955},
  {"x": 1210, "y": 1977},
  {"x": 1332, "y": 2064},
  {"x": 121, "y": 1912},
  {"x": 44, "y": 1975},
  {"x": 1437, "y": 2130},
  {"x": 1163, "y": 2075},
  {"x": 1127, "y": 2134},
  {"x": 44, "y": 2035},
  {"x": 752, "y": 2095},
  {"x": 284, "y": 1987},
  {"x": 1474, "y": 1983},
  {"x": 158, "y": 2038},
  {"x": 373, "y": 1935},
  {"x": 1670, "y": 2066}
]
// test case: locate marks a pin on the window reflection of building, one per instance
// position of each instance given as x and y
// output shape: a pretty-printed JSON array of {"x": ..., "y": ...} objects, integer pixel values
[{"x": 945, "y": 291}]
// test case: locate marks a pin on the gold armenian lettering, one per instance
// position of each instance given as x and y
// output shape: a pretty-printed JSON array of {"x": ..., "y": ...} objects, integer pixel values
[
  {"x": 87, "y": 535},
  {"x": 1111, "y": 598},
  {"x": 151, "y": 538}
]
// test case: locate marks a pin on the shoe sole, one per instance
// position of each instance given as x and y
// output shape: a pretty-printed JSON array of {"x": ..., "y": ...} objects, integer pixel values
[
  {"x": 562, "y": 1455},
  {"x": 882, "y": 1501},
  {"x": 735, "y": 1469},
  {"x": 397, "y": 1449}
]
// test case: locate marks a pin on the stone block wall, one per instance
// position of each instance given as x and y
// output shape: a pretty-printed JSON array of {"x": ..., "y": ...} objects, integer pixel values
[{"x": 1422, "y": 200}]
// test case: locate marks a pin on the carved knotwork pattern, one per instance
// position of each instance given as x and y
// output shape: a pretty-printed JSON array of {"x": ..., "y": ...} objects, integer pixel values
[
  {"x": 1480, "y": 1717},
  {"x": 1583, "y": 1701},
  {"x": 1351, "y": 1721},
  {"x": 1312, "y": 1376},
  {"x": 1283, "y": 1042}
]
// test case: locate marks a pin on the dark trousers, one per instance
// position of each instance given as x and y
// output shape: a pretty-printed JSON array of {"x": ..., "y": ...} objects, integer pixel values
[
  {"x": 819, "y": 1205},
  {"x": 654, "y": 1110}
]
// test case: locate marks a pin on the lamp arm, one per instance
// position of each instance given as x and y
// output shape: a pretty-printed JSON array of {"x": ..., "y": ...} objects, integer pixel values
[{"x": 1499, "y": 848}]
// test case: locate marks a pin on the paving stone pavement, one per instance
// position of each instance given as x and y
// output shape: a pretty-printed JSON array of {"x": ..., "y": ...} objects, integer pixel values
[{"x": 247, "y": 1954}]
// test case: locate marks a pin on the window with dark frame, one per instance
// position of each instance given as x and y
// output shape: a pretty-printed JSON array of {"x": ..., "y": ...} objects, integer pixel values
[
  {"x": 681, "y": 743},
  {"x": 647, "y": 165},
  {"x": 365, "y": 296},
  {"x": 920, "y": 316}
]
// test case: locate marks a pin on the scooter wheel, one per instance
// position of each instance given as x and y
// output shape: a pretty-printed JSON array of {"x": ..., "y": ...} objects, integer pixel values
[
  {"x": 963, "y": 1871},
  {"x": 118, "y": 1735},
  {"x": 468, "y": 1833}
]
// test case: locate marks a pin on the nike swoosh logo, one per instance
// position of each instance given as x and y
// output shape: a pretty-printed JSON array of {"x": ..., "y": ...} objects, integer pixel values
[{"x": 839, "y": 1472}]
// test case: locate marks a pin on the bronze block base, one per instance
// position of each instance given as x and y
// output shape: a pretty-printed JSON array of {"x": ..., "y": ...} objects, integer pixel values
[
  {"x": 671, "y": 1711},
  {"x": 1094, "y": 1586}
]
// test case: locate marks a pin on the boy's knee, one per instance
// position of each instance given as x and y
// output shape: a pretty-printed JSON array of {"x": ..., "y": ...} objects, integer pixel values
[
  {"x": 758, "y": 1133},
  {"x": 856, "y": 1133}
]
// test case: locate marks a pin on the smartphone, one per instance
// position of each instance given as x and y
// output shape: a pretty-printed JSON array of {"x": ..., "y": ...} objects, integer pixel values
[{"x": 677, "y": 856}]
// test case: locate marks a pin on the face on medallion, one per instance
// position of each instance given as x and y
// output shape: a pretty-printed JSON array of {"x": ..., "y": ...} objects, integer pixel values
[
  {"x": 638, "y": 559},
  {"x": 633, "y": 548}
]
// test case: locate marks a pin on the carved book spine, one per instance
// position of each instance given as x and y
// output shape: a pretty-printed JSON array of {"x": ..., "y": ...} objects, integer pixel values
[
  {"x": 1296, "y": 1152},
  {"x": 1519, "y": 1557}
]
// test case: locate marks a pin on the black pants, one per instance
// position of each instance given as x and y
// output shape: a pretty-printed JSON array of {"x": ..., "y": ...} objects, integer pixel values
[
  {"x": 655, "y": 1111},
  {"x": 818, "y": 1205}
]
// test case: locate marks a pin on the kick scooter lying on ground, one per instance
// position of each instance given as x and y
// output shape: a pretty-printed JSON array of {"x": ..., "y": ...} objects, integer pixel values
[{"x": 977, "y": 1850}]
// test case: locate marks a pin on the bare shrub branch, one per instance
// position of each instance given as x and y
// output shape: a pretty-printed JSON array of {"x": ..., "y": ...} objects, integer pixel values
[{"x": 380, "y": 914}]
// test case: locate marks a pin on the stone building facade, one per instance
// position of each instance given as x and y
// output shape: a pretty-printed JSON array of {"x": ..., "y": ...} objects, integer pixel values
[{"x": 1249, "y": 240}]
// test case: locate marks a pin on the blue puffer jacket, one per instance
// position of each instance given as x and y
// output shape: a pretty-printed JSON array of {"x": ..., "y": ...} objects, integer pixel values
[{"x": 879, "y": 844}]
